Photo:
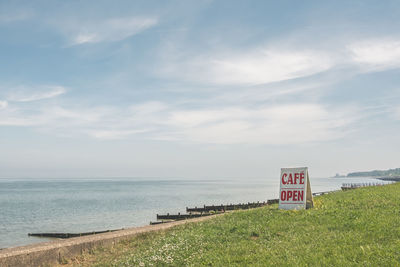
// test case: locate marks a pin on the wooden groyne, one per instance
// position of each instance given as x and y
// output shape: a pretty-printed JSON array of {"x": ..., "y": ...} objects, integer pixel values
[
  {"x": 179, "y": 216},
  {"x": 273, "y": 201},
  {"x": 222, "y": 207},
  {"x": 210, "y": 210},
  {"x": 349, "y": 186},
  {"x": 69, "y": 235},
  {"x": 207, "y": 210},
  {"x": 323, "y": 193}
]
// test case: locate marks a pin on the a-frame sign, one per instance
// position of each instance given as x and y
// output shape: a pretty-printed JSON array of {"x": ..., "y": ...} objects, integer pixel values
[{"x": 295, "y": 189}]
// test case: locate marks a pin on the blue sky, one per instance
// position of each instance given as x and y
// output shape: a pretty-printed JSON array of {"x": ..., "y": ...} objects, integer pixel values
[{"x": 198, "y": 89}]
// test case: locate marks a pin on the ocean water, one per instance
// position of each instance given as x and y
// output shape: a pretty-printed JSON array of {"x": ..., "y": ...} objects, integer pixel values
[{"x": 82, "y": 205}]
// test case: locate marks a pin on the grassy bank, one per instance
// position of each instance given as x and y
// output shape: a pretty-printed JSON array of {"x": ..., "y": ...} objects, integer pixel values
[{"x": 356, "y": 227}]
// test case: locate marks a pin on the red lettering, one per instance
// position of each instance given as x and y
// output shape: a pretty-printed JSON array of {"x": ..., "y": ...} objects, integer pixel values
[
  {"x": 289, "y": 195},
  {"x": 296, "y": 177},
  {"x": 301, "y": 196},
  {"x": 292, "y": 195},
  {"x": 302, "y": 178},
  {"x": 283, "y": 180},
  {"x": 283, "y": 195},
  {"x": 290, "y": 180}
]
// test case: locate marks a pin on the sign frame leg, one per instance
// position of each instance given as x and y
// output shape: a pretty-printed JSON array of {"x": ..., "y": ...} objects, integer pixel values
[{"x": 309, "y": 197}]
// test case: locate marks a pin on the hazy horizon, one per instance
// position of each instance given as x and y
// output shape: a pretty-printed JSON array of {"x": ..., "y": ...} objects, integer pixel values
[{"x": 198, "y": 89}]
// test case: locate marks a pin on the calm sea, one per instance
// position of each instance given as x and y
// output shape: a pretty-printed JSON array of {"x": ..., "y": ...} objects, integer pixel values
[{"x": 83, "y": 205}]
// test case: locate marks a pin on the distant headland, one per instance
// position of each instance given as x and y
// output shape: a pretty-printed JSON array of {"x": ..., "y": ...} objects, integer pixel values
[
  {"x": 376, "y": 173},
  {"x": 389, "y": 175}
]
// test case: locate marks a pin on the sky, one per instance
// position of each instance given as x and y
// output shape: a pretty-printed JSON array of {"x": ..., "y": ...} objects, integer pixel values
[{"x": 198, "y": 89}]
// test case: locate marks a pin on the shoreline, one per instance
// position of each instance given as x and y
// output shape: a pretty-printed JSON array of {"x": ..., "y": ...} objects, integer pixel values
[
  {"x": 56, "y": 251},
  {"x": 22, "y": 241},
  {"x": 52, "y": 252},
  {"x": 59, "y": 251},
  {"x": 345, "y": 228},
  {"x": 20, "y": 232}
]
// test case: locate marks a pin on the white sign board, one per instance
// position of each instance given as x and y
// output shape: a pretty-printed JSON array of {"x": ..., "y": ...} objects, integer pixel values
[{"x": 295, "y": 190}]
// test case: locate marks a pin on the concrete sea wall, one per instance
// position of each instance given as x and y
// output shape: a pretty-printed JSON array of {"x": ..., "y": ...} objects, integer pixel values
[{"x": 49, "y": 253}]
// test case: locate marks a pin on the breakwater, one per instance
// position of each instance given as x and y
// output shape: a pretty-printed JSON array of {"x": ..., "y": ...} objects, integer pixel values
[{"x": 348, "y": 186}]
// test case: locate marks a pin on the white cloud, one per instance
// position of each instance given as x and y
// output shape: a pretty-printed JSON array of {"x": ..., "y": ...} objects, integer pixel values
[
  {"x": 3, "y": 104},
  {"x": 14, "y": 117},
  {"x": 272, "y": 92},
  {"x": 286, "y": 124},
  {"x": 98, "y": 122},
  {"x": 51, "y": 117},
  {"x": 28, "y": 94},
  {"x": 113, "y": 134},
  {"x": 268, "y": 66},
  {"x": 276, "y": 124},
  {"x": 147, "y": 108},
  {"x": 109, "y": 30},
  {"x": 259, "y": 66},
  {"x": 75, "y": 116},
  {"x": 377, "y": 54},
  {"x": 396, "y": 112},
  {"x": 224, "y": 66}
]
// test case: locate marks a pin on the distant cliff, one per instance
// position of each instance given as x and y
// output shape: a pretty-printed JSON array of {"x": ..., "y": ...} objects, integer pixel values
[{"x": 376, "y": 173}]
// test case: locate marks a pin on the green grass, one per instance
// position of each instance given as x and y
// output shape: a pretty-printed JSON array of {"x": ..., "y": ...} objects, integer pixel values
[{"x": 351, "y": 228}]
